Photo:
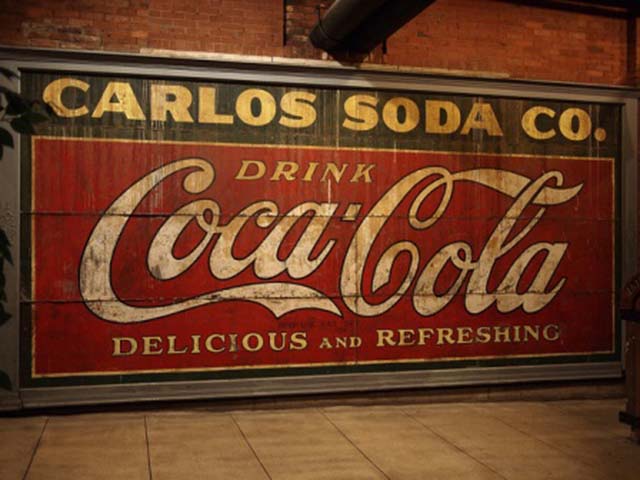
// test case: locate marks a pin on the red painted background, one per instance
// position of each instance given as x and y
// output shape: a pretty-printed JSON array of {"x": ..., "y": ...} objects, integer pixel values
[{"x": 75, "y": 181}]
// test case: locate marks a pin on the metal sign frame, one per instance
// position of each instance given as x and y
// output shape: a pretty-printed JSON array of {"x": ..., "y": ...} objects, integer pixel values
[{"x": 287, "y": 72}]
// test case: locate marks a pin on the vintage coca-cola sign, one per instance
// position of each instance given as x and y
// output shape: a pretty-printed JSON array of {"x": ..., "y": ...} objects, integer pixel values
[{"x": 209, "y": 227}]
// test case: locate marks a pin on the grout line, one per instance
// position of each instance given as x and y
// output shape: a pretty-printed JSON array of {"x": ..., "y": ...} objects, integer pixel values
[
  {"x": 146, "y": 438},
  {"x": 264, "y": 469},
  {"x": 354, "y": 445},
  {"x": 35, "y": 449},
  {"x": 461, "y": 450},
  {"x": 569, "y": 454}
]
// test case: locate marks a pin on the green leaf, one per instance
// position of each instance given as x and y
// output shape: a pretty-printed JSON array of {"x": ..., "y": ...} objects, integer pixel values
[
  {"x": 3, "y": 282},
  {"x": 48, "y": 109},
  {"x": 4, "y": 315},
  {"x": 6, "y": 138},
  {"x": 22, "y": 125},
  {"x": 16, "y": 105},
  {"x": 44, "y": 108},
  {"x": 35, "y": 117},
  {"x": 5, "y": 381},
  {"x": 5, "y": 244},
  {"x": 8, "y": 73}
]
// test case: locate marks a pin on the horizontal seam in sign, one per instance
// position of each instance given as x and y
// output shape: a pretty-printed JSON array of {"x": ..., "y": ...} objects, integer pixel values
[{"x": 326, "y": 147}]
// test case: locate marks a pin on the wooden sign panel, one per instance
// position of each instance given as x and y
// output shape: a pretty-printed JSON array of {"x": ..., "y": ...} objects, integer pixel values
[{"x": 212, "y": 230}]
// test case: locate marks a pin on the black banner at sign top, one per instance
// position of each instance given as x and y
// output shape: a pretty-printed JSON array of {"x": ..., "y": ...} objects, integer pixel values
[{"x": 161, "y": 109}]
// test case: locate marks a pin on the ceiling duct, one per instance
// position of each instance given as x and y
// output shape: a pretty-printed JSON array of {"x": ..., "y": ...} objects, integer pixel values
[{"x": 358, "y": 26}]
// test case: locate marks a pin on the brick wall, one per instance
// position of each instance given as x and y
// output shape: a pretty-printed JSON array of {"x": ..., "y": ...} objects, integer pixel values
[
  {"x": 252, "y": 27},
  {"x": 525, "y": 42},
  {"x": 489, "y": 36}
]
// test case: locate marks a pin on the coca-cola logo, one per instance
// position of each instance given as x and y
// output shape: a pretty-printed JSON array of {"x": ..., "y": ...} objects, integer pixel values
[{"x": 474, "y": 268}]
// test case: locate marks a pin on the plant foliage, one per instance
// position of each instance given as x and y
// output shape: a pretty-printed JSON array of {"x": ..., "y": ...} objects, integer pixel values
[{"x": 17, "y": 114}]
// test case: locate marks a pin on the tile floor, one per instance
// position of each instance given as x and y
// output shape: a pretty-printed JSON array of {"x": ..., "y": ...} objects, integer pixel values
[{"x": 579, "y": 439}]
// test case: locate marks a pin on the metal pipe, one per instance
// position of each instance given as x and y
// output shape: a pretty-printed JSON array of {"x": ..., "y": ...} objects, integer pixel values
[
  {"x": 359, "y": 25},
  {"x": 342, "y": 18}
]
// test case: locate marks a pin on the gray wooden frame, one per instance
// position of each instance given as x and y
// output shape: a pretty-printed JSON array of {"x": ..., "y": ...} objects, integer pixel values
[{"x": 302, "y": 73}]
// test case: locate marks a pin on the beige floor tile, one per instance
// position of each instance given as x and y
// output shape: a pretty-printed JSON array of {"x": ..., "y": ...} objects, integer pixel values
[
  {"x": 304, "y": 446},
  {"x": 404, "y": 449},
  {"x": 441, "y": 414},
  {"x": 18, "y": 439},
  {"x": 200, "y": 446},
  {"x": 597, "y": 404},
  {"x": 92, "y": 447},
  {"x": 541, "y": 418},
  {"x": 585, "y": 431},
  {"x": 508, "y": 451},
  {"x": 616, "y": 458},
  {"x": 510, "y": 440},
  {"x": 601, "y": 414}
]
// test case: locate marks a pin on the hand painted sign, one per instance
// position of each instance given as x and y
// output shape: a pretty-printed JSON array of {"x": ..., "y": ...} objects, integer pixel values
[{"x": 201, "y": 227}]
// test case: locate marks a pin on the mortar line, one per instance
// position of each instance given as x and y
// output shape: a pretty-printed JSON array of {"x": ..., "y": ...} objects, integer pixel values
[
  {"x": 146, "y": 438},
  {"x": 354, "y": 445},
  {"x": 255, "y": 454},
  {"x": 35, "y": 449},
  {"x": 461, "y": 450}
]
